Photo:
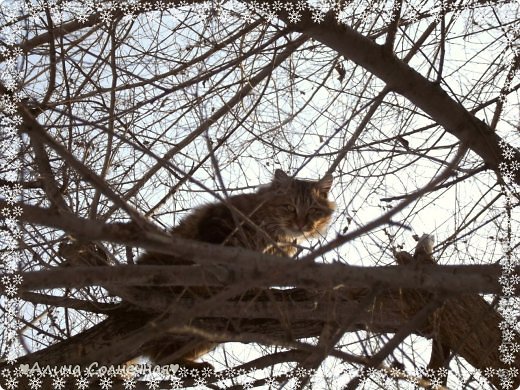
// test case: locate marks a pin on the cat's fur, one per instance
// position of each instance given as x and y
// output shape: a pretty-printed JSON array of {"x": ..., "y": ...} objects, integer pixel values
[{"x": 271, "y": 220}]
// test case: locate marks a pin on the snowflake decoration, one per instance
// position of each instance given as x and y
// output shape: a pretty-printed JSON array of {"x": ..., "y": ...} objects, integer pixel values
[
  {"x": 508, "y": 153},
  {"x": 277, "y": 6},
  {"x": 9, "y": 107},
  {"x": 129, "y": 383},
  {"x": 10, "y": 290},
  {"x": 17, "y": 120},
  {"x": 9, "y": 194},
  {"x": 106, "y": 16},
  {"x": 176, "y": 383},
  {"x": 231, "y": 373},
  {"x": 146, "y": 7},
  {"x": 200, "y": 381},
  {"x": 269, "y": 16},
  {"x": 247, "y": 385},
  {"x": 182, "y": 372},
  {"x": 248, "y": 16},
  {"x": 507, "y": 358},
  {"x": 207, "y": 372},
  {"x": 442, "y": 372},
  {"x": 508, "y": 289},
  {"x": 6, "y": 213},
  {"x": 318, "y": 16},
  {"x": 82, "y": 17},
  {"x": 294, "y": 15},
  {"x": 153, "y": 383},
  {"x": 10, "y": 132},
  {"x": 17, "y": 279},
  {"x": 105, "y": 383},
  {"x": 35, "y": 382},
  {"x": 413, "y": 380},
  {"x": 161, "y": 5},
  {"x": 371, "y": 372},
  {"x": 503, "y": 167},
  {"x": 300, "y": 372},
  {"x": 396, "y": 372},
  {"x": 507, "y": 334},
  {"x": 436, "y": 382},
  {"x": 14, "y": 347},
  {"x": 489, "y": 372},
  {"x": 17, "y": 372},
  {"x": 194, "y": 372},
  {"x": 220, "y": 375},
  {"x": 506, "y": 382},
  {"x": 82, "y": 383},
  {"x": 509, "y": 176},
  {"x": 58, "y": 383},
  {"x": 11, "y": 383},
  {"x": 6, "y": 280},
  {"x": 301, "y": 5},
  {"x": 10, "y": 84}
]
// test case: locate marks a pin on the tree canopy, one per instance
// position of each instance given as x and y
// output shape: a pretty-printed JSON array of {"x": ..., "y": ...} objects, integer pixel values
[{"x": 119, "y": 118}]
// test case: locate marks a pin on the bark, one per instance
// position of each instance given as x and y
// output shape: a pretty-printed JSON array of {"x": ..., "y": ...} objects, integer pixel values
[
  {"x": 427, "y": 95},
  {"x": 259, "y": 269},
  {"x": 466, "y": 324}
]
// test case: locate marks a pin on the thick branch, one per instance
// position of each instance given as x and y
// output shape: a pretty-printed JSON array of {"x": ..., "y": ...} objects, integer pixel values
[
  {"x": 241, "y": 264},
  {"x": 400, "y": 77},
  {"x": 468, "y": 325}
]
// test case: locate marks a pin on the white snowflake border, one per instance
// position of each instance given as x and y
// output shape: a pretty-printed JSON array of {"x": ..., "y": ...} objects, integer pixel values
[{"x": 82, "y": 11}]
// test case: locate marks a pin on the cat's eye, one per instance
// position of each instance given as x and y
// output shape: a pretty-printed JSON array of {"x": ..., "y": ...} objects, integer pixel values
[
  {"x": 315, "y": 212},
  {"x": 290, "y": 208}
]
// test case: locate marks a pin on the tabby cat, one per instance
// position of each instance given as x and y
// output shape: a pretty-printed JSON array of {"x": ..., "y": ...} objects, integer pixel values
[{"x": 272, "y": 220}]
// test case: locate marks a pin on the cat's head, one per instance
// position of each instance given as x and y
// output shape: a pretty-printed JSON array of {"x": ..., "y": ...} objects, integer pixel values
[{"x": 300, "y": 207}]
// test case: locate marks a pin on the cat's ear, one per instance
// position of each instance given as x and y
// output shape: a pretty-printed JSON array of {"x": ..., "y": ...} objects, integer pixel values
[
  {"x": 280, "y": 176},
  {"x": 324, "y": 185}
]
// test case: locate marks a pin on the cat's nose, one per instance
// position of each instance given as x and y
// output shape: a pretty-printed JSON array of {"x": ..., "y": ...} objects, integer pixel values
[{"x": 301, "y": 225}]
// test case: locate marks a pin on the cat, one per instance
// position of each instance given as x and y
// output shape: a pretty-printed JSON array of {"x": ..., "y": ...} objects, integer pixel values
[
  {"x": 272, "y": 220},
  {"x": 278, "y": 216}
]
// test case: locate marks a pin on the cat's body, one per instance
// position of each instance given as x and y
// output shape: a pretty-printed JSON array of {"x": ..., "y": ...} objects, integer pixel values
[{"x": 271, "y": 220}]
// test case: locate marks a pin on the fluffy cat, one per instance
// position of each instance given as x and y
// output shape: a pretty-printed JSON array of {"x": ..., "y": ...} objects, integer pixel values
[{"x": 271, "y": 220}]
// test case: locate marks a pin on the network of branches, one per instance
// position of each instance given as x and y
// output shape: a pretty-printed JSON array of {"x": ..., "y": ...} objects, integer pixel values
[{"x": 135, "y": 113}]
